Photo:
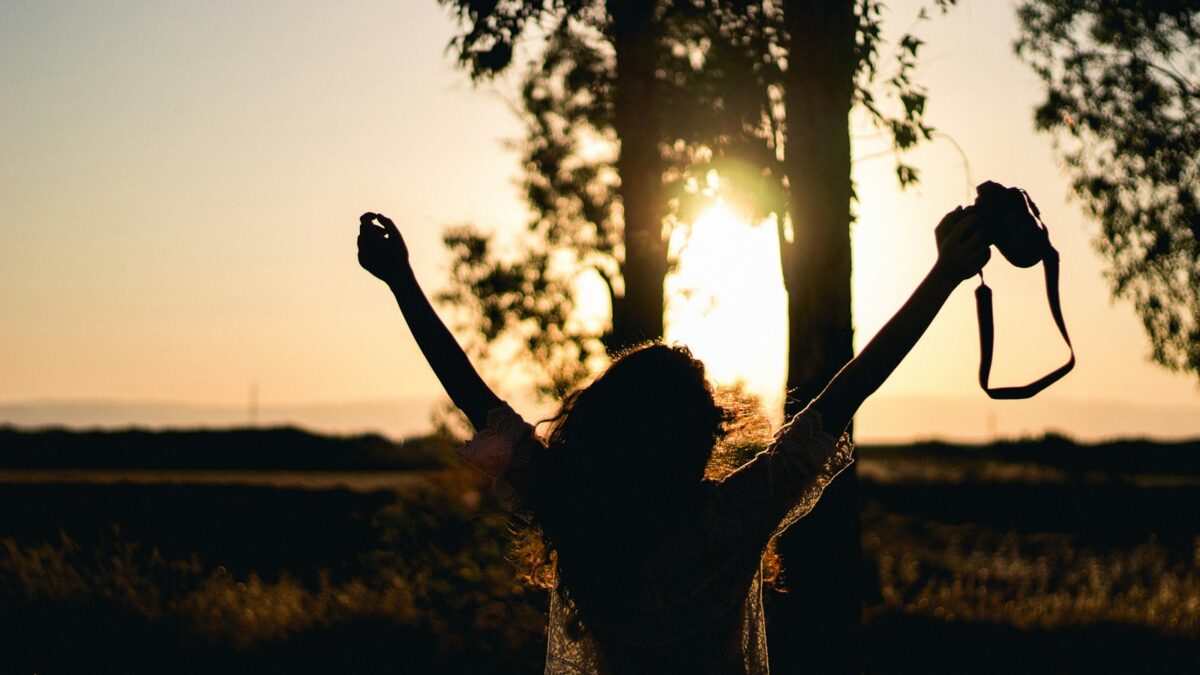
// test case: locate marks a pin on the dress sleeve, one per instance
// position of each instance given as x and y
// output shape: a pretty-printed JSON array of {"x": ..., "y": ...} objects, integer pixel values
[
  {"x": 503, "y": 450},
  {"x": 783, "y": 483}
]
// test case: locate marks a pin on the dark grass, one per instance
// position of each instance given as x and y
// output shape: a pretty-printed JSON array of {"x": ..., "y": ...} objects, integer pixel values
[
  {"x": 462, "y": 611},
  {"x": 124, "y": 575},
  {"x": 244, "y": 528},
  {"x": 1114, "y": 515},
  {"x": 90, "y": 638},
  {"x": 899, "y": 643}
]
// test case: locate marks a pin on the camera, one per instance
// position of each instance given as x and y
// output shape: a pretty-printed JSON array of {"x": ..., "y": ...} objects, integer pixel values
[{"x": 1012, "y": 223}]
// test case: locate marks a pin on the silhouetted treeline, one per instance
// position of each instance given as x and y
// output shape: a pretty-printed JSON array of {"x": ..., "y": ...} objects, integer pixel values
[
  {"x": 277, "y": 448},
  {"x": 1115, "y": 460},
  {"x": 297, "y": 449}
]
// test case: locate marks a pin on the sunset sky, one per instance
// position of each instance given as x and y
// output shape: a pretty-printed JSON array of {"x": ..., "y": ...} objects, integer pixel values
[{"x": 180, "y": 184}]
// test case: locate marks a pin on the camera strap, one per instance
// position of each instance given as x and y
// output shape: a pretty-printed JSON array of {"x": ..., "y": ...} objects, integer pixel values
[{"x": 987, "y": 335}]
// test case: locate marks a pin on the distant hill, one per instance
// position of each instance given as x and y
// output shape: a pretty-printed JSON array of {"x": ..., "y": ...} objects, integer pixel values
[
  {"x": 1116, "y": 459},
  {"x": 884, "y": 418},
  {"x": 290, "y": 448},
  {"x": 243, "y": 449}
]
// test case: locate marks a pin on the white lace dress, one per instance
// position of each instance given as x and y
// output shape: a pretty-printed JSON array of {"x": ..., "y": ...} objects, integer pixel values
[{"x": 698, "y": 606}]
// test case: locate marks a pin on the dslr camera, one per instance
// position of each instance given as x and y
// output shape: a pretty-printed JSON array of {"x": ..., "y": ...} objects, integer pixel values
[
  {"x": 1012, "y": 223},
  {"x": 1014, "y": 226}
]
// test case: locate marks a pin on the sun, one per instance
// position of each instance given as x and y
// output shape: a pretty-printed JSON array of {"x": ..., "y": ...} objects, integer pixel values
[{"x": 726, "y": 301}]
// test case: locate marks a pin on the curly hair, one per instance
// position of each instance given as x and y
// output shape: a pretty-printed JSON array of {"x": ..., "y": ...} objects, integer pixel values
[{"x": 625, "y": 459}]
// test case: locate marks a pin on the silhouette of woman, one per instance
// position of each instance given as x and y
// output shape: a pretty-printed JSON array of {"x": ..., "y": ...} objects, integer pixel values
[{"x": 658, "y": 570}]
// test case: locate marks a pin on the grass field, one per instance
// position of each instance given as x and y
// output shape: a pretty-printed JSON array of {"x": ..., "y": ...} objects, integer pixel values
[{"x": 1030, "y": 558}]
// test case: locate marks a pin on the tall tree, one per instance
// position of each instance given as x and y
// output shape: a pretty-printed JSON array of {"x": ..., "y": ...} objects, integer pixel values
[
  {"x": 832, "y": 50},
  {"x": 609, "y": 174},
  {"x": 760, "y": 93},
  {"x": 718, "y": 103},
  {"x": 627, "y": 109},
  {"x": 1122, "y": 89},
  {"x": 825, "y": 598}
]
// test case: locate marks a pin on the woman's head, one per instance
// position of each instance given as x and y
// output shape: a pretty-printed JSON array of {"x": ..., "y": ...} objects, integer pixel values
[{"x": 648, "y": 422}]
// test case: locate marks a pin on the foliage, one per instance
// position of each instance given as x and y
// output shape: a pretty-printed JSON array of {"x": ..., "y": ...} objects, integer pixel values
[
  {"x": 237, "y": 448},
  {"x": 1033, "y": 582},
  {"x": 435, "y": 592},
  {"x": 438, "y": 569},
  {"x": 718, "y": 103},
  {"x": 1122, "y": 91}
]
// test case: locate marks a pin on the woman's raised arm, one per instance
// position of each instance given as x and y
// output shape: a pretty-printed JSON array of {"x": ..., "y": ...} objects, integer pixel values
[
  {"x": 382, "y": 252},
  {"x": 962, "y": 252}
]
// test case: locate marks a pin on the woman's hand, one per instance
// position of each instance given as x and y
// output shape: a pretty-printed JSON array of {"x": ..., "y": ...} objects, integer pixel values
[
  {"x": 963, "y": 247},
  {"x": 381, "y": 249}
]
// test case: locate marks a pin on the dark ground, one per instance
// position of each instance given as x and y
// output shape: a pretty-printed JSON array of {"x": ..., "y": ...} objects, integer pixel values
[{"x": 1041, "y": 557}]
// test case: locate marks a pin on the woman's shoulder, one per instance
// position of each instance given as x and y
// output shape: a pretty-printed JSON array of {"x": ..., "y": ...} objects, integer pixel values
[{"x": 504, "y": 438}]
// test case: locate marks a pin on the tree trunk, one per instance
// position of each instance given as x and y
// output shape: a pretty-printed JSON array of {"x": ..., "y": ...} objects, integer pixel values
[
  {"x": 638, "y": 315},
  {"x": 815, "y": 626}
]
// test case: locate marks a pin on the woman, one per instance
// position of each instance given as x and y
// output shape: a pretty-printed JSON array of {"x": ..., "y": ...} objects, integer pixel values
[{"x": 658, "y": 568}]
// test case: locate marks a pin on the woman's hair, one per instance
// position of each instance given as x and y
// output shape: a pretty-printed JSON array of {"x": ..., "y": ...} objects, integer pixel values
[
  {"x": 646, "y": 424},
  {"x": 625, "y": 458}
]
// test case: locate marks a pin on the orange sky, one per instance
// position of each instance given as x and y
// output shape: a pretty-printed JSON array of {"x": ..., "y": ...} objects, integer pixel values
[{"x": 180, "y": 184}]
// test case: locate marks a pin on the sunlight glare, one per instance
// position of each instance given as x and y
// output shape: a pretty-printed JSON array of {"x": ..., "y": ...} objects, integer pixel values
[{"x": 725, "y": 300}]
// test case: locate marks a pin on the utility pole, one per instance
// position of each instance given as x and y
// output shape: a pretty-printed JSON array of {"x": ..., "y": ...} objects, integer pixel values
[{"x": 252, "y": 404}]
